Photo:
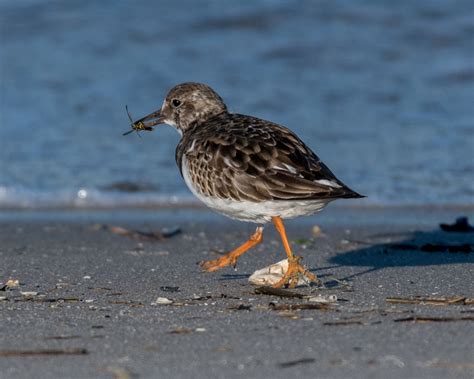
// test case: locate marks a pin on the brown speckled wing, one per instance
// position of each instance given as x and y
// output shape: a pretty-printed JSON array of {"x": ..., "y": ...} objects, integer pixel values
[{"x": 239, "y": 157}]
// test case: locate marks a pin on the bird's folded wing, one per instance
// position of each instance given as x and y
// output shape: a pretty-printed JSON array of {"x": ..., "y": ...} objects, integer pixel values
[{"x": 260, "y": 162}]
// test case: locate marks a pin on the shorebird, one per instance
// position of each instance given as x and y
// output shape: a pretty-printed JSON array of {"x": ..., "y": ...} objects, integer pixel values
[{"x": 246, "y": 168}]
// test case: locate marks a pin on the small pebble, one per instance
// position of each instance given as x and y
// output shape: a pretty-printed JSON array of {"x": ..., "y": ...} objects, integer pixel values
[{"x": 316, "y": 230}]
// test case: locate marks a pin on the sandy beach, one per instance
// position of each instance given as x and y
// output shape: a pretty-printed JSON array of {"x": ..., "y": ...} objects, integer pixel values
[{"x": 86, "y": 300}]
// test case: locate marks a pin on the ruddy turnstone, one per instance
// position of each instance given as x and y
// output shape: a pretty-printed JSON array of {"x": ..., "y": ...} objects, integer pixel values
[{"x": 246, "y": 168}]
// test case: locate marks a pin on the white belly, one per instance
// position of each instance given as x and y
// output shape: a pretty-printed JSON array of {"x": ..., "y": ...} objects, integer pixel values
[{"x": 257, "y": 212}]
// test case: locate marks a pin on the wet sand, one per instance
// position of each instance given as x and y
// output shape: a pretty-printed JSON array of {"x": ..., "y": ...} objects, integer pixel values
[{"x": 94, "y": 313}]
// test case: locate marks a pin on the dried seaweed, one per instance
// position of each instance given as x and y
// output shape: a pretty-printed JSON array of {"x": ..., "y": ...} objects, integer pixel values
[
  {"x": 278, "y": 292},
  {"x": 241, "y": 307},
  {"x": 425, "y": 319},
  {"x": 24, "y": 353},
  {"x": 169, "y": 289},
  {"x": 430, "y": 300},
  {"x": 40, "y": 299},
  {"x": 180, "y": 330},
  {"x": 131, "y": 304},
  {"x": 300, "y": 306},
  {"x": 138, "y": 234},
  {"x": 296, "y": 362},
  {"x": 61, "y": 337},
  {"x": 343, "y": 322}
]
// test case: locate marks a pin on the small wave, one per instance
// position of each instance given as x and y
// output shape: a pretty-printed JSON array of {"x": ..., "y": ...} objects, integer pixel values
[
  {"x": 81, "y": 198},
  {"x": 14, "y": 198}
]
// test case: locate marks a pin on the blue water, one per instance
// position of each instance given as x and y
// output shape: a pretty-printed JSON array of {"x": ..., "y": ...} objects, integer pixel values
[{"x": 381, "y": 90}]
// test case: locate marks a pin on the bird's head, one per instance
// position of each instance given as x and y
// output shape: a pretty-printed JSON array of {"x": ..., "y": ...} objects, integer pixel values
[{"x": 186, "y": 105}]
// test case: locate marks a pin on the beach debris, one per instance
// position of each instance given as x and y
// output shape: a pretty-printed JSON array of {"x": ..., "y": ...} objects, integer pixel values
[
  {"x": 300, "y": 306},
  {"x": 184, "y": 330},
  {"x": 28, "y": 293},
  {"x": 296, "y": 362},
  {"x": 289, "y": 314},
  {"x": 343, "y": 322},
  {"x": 201, "y": 297},
  {"x": 272, "y": 274},
  {"x": 9, "y": 284},
  {"x": 334, "y": 283},
  {"x": 430, "y": 300},
  {"x": 241, "y": 307},
  {"x": 43, "y": 299},
  {"x": 162, "y": 301},
  {"x": 129, "y": 303},
  {"x": 425, "y": 319},
  {"x": 169, "y": 289},
  {"x": 323, "y": 299},
  {"x": 20, "y": 353},
  {"x": 61, "y": 337},
  {"x": 2, "y": 298},
  {"x": 461, "y": 226},
  {"x": 180, "y": 330},
  {"x": 225, "y": 296},
  {"x": 138, "y": 234},
  {"x": 264, "y": 290}
]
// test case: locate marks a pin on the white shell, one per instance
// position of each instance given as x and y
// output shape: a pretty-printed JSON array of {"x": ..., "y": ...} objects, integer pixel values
[
  {"x": 162, "y": 301},
  {"x": 270, "y": 275}
]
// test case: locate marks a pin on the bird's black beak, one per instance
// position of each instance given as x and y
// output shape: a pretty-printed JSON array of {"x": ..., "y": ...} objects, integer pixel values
[
  {"x": 145, "y": 123},
  {"x": 150, "y": 120}
]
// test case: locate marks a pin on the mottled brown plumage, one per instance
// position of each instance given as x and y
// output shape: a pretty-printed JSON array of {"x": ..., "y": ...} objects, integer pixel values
[
  {"x": 246, "y": 168},
  {"x": 238, "y": 157}
]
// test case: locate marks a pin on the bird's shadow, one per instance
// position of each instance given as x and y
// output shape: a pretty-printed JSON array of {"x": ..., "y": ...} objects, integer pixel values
[
  {"x": 407, "y": 249},
  {"x": 414, "y": 249}
]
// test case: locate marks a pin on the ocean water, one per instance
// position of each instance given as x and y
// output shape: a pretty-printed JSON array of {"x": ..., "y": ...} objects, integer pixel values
[{"x": 382, "y": 91}]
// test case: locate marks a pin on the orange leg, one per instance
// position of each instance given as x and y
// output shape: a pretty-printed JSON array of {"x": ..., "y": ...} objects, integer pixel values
[
  {"x": 295, "y": 269},
  {"x": 231, "y": 258}
]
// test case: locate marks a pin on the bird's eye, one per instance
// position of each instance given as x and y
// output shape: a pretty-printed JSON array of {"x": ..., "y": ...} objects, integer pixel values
[{"x": 176, "y": 103}]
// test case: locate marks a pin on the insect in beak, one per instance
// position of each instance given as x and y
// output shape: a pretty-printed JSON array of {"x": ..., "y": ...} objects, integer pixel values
[{"x": 137, "y": 125}]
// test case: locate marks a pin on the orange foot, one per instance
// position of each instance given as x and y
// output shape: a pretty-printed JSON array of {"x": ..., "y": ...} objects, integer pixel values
[
  {"x": 217, "y": 264},
  {"x": 231, "y": 258},
  {"x": 295, "y": 270}
]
